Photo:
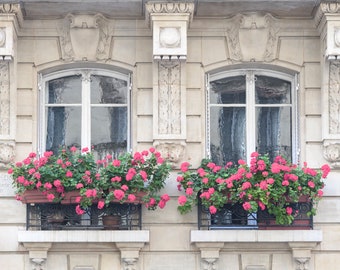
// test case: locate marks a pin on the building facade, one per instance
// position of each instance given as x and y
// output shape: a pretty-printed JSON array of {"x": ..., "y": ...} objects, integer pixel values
[{"x": 163, "y": 61}]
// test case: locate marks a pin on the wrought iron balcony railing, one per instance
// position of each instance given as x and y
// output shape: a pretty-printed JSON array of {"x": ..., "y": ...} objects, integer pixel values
[
  {"x": 233, "y": 216},
  {"x": 55, "y": 216}
]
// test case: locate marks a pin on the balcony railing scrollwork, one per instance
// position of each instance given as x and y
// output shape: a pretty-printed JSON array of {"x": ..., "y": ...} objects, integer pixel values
[
  {"x": 56, "y": 216},
  {"x": 233, "y": 216}
]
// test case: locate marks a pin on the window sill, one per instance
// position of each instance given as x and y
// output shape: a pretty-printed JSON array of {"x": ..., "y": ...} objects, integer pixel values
[{"x": 75, "y": 236}]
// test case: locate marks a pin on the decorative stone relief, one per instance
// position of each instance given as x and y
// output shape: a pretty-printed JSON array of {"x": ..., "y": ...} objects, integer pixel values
[
  {"x": 38, "y": 263},
  {"x": 4, "y": 99},
  {"x": 6, "y": 154},
  {"x": 9, "y": 8},
  {"x": 331, "y": 152},
  {"x": 209, "y": 264},
  {"x": 85, "y": 37},
  {"x": 302, "y": 263},
  {"x": 129, "y": 263},
  {"x": 173, "y": 151},
  {"x": 252, "y": 28},
  {"x": 334, "y": 97},
  {"x": 169, "y": 97}
]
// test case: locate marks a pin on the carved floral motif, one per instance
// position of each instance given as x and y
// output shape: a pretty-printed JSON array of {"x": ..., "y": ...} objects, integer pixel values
[
  {"x": 169, "y": 102},
  {"x": 4, "y": 99}
]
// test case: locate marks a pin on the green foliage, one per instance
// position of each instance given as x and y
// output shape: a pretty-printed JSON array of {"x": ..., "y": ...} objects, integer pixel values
[{"x": 258, "y": 186}]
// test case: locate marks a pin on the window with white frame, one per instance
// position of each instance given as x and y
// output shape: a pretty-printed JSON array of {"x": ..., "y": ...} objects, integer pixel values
[
  {"x": 85, "y": 108},
  {"x": 251, "y": 110}
]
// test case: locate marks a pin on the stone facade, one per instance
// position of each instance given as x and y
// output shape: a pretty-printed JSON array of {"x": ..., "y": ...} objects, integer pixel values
[{"x": 168, "y": 53}]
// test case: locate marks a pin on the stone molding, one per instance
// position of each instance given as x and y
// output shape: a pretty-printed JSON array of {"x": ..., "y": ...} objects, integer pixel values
[
  {"x": 85, "y": 37},
  {"x": 263, "y": 28},
  {"x": 129, "y": 243},
  {"x": 210, "y": 243},
  {"x": 168, "y": 8}
]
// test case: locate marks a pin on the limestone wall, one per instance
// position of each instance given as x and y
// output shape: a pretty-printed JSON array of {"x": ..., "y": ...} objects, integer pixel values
[{"x": 292, "y": 45}]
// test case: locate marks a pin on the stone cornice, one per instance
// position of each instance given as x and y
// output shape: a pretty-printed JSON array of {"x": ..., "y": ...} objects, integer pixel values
[
  {"x": 168, "y": 8},
  {"x": 330, "y": 8}
]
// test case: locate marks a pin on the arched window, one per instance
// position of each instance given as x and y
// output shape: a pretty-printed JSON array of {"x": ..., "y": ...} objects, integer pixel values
[
  {"x": 85, "y": 108},
  {"x": 251, "y": 110}
]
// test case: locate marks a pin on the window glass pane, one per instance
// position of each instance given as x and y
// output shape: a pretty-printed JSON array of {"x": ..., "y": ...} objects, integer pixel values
[
  {"x": 227, "y": 134},
  {"x": 272, "y": 90},
  {"x": 65, "y": 90},
  {"x": 274, "y": 131},
  {"x": 106, "y": 90},
  {"x": 63, "y": 127},
  {"x": 109, "y": 130},
  {"x": 230, "y": 90}
]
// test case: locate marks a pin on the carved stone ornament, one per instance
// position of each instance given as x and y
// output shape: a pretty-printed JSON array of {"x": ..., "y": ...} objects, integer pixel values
[
  {"x": 173, "y": 151},
  {"x": 2, "y": 37},
  {"x": 331, "y": 152},
  {"x": 4, "y": 99},
  {"x": 302, "y": 263},
  {"x": 129, "y": 263},
  {"x": 252, "y": 28},
  {"x": 6, "y": 154},
  {"x": 169, "y": 98},
  {"x": 38, "y": 263},
  {"x": 9, "y": 8},
  {"x": 209, "y": 263},
  {"x": 169, "y": 23},
  {"x": 85, "y": 37},
  {"x": 324, "y": 8},
  {"x": 334, "y": 97}
]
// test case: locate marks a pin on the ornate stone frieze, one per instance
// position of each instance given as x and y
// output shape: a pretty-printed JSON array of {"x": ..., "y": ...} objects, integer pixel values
[
  {"x": 252, "y": 28},
  {"x": 169, "y": 97},
  {"x": 10, "y": 8},
  {"x": 169, "y": 8},
  {"x": 4, "y": 99},
  {"x": 85, "y": 37}
]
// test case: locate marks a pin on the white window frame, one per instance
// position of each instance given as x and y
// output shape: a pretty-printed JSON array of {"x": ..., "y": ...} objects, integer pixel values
[
  {"x": 250, "y": 74},
  {"x": 85, "y": 73}
]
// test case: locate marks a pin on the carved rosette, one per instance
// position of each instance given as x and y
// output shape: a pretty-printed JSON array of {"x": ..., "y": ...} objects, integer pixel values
[
  {"x": 85, "y": 37},
  {"x": 252, "y": 28}
]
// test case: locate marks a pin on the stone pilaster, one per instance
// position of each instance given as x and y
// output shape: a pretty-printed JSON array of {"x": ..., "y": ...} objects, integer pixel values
[
  {"x": 327, "y": 20},
  {"x": 169, "y": 23},
  {"x": 10, "y": 18}
]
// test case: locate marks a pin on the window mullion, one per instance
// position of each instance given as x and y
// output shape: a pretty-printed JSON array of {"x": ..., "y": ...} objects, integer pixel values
[
  {"x": 250, "y": 114},
  {"x": 86, "y": 110}
]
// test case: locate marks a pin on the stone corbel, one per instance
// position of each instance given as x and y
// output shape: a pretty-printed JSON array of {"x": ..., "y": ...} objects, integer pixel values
[
  {"x": 129, "y": 253},
  {"x": 302, "y": 253},
  {"x": 210, "y": 253},
  {"x": 38, "y": 254},
  {"x": 169, "y": 23}
]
